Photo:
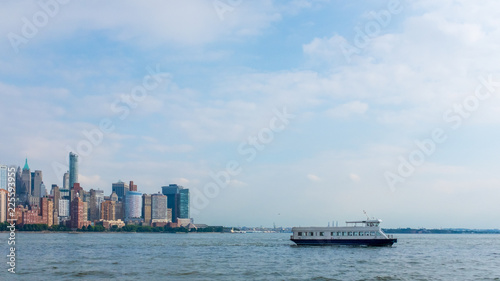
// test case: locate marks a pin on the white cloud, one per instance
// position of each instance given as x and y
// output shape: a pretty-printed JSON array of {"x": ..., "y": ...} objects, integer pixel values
[
  {"x": 313, "y": 178},
  {"x": 348, "y": 109}
]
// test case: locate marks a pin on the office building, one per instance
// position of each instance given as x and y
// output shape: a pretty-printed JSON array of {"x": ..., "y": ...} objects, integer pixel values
[
  {"x": 177, "y": 200},
  {"x": 184, "y": 203},
  {"x": 63, "y": 208},
  {"x": 3, "y": 176},
  {"x": 77, "y": 213},
  {"x": 73, "y": 169},
  {"x": 108, "y": 210},
  {"x": 146, "y": 209},
  {"x": 36, "y": 183},
  {"x": 158, "y": 208},
  {"x": 25, "y": 190},
  {"x": 133, "y": 205},
  {"x": 3, "y": 204},
  {"x": 120, "y": 188},
  {"x": 66, "y": 180},
  {"x": 132, "y": 186}
]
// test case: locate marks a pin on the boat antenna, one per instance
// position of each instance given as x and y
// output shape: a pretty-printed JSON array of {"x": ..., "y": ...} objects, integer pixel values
[{"x": 367, "y": 217}]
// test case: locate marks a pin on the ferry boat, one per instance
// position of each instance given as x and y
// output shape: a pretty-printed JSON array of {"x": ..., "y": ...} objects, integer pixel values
[{"x": 366, "y": 232}]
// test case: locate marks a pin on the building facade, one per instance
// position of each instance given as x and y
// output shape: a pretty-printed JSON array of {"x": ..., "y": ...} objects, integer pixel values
[
  {"x": 159, "y": 208},
  {"x": 73, "y": 169},
  {"x": 146, "y": 209},
  {"x": 120, "y": 188},
  {"x": 133, "y": 205}
]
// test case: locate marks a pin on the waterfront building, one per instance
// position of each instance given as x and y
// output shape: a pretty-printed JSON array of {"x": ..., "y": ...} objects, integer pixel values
[
  {"x": 119, "y": 210},
  {"x": 184, "y": 203},
  {"x": 108, "y": 210},
  {"x": 3, "y": 204},
  {"x": 63, "y": 208},
  {"x": 77, "y": 213},
  {"x": 146, "y": 209},
  {"x": 120, "y": 188},
  {"x": 159, "y": 208},
  {"x": 73, "y": 169},
  {"x": 47, "y": 211},
  {"x": 177, "y": 200},
  {"x": 133, "y": 206},
  {"x": 95, "y": 200},
  {"x": 36, "y": 183},
  {"x": 56, "y": 195},
  {"x": 3, "y": 176}
]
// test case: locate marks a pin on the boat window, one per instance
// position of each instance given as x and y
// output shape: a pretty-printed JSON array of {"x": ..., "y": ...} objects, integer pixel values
[
  {"x": 361, "y": 233},
  {"x": 349, "y": 233},
  {"x": 321, "y": 234},
  {"x": 299, "y": 234},
  {"x": 312, "y": 234},
  {"x": 332, "y": 234},
  {"x": 372, "y": 233},
  {"x": 339, "y": 233},
  {"x": 355, "y": 233},
  {"x": 344, "y": 233}
]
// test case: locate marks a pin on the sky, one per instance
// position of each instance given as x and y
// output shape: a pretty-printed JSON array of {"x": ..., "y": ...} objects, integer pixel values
[{"x": 271, "y": 112}]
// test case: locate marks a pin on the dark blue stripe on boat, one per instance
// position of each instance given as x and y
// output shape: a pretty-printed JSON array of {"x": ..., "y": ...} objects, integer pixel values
[{"x": 367, "y": 242}]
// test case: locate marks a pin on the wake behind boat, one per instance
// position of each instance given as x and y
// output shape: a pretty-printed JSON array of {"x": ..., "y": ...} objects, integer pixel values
[{"x": 366, "y": 232}]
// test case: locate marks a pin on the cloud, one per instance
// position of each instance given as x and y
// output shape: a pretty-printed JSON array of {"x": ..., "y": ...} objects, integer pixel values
[
  {"x": 348, "y": 109},
  {"x": 313, "y": 178}
]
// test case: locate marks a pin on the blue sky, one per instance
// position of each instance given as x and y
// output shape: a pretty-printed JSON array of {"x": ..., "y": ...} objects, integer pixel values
[{"x": 363, "y": 83}]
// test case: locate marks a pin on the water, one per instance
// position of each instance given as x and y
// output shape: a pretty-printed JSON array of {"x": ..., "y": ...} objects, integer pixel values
[{"x": 257, "y": 256}]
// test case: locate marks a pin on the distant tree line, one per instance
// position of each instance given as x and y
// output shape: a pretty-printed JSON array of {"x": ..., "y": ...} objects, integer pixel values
[{"x": 114, "y": 228}]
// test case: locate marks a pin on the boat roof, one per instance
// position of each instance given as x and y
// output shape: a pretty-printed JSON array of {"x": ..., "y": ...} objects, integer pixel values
[{"x": 366, "y": 221}]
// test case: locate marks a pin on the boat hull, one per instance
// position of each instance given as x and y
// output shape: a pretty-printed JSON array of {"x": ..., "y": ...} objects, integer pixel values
[{"x": 352, "y": 242}]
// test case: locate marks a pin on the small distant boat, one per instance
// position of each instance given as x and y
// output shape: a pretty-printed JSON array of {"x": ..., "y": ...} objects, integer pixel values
[
  {"x": 365, "y": 232},
  {"x": 237, "y": 231}
]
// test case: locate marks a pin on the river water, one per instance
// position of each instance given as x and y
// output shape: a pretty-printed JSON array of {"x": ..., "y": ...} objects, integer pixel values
[{"x": 251, "y": 256}]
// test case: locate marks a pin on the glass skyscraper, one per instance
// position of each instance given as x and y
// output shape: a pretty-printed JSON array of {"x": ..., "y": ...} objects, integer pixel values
[
  {"x": 73, "y": 169},
  {"x": 177, "y": 200},
  {"x": 3, "y": 176}
]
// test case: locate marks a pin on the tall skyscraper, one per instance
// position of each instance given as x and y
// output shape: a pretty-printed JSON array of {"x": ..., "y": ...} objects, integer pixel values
[
  {"x": 133, "y": 205},
  {"x": 3, "y": 177},
  {"x": 77, "y": 213},
  {"x": 36, "y": 183},
  {"x": 3, "y": 204},
  {"x": 73, "y": 169},
  {"x": 25, "y": 184},
  {"x": 120, "y": 188},
  {"x": 146, "y": 209},
  {"x": 108, "y": 210},
  {"x": 172, "y": 193},
  {"x": 66, "y": 180},
  {"x": 158, "y": 208},
  {"x": 184, "y": 203},
  {"x": 177, "y": 200},
  {"x": 95, "y": 200}
]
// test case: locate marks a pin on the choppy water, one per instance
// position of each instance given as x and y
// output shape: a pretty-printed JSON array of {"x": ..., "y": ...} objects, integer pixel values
[{"x": 258, "y": 256}]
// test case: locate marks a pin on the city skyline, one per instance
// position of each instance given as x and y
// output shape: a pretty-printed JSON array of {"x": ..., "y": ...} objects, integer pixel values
[{"x": 295, "y": 113}]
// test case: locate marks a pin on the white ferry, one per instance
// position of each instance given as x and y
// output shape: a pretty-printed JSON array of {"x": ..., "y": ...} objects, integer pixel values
[{"x": 367, "y": 232}]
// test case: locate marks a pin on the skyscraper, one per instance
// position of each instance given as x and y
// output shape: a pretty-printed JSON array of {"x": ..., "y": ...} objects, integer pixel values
[
  {"x": 172, "y": 193},
  {"x": 132, "y": 186},
  {"x": 95, "y": 200},
  {"x": 77, "y": 213},
  {"x": 108, "y": 210},
  {"x": 73, "y": 169},
  {"x": 3, "y": 177},
  {"x": 177, "y": 200},
  {"x": 158, "y": 208},
  {"x": 120, "y": 188},
  {"x": 184, "y": 203},
  {"x": 36, "y": 183},
  {"x": 66, "y": 180},
  {"x": 25, "y": 190},
  {"x": 133, "y": 206},
  {"x": 146, "y": 209}
]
